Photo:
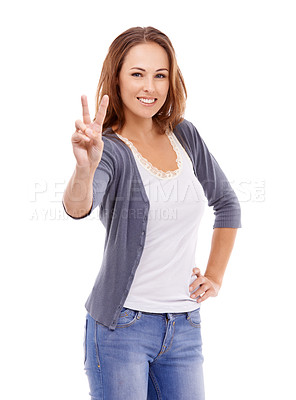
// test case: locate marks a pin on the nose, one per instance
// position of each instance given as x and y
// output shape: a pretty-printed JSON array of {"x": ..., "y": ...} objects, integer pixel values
[{"x": 149, "y": 84}]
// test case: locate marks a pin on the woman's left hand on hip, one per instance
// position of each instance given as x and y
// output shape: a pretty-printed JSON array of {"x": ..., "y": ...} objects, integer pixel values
[{"x": 207, "y": 286}]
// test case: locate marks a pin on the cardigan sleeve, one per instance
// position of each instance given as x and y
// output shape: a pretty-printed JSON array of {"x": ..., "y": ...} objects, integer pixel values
[
  {"x": 217, "y": 188},
  {"x": 102, "y": 178}
]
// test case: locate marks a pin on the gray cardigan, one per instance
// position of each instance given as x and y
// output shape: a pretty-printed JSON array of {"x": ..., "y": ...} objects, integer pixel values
[{"x": 119, "y": 192}]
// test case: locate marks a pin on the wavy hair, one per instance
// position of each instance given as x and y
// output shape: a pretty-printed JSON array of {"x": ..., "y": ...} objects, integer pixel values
[{"x": 172, "y": 111}]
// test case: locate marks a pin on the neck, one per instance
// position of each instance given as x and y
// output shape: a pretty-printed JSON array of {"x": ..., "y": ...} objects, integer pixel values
[{"x": 139, "y": 129}]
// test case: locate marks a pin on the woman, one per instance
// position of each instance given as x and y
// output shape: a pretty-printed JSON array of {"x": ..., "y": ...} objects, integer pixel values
[{"x": 150, "y": 173}]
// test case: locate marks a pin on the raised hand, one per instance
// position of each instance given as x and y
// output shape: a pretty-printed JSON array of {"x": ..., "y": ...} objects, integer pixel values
[{"x": 87, "y": 139}]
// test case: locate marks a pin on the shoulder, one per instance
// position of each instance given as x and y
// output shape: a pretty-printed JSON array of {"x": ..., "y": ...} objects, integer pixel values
[
  {"x": 115, "y": 152},
  {"x": 186, "y": 130},
  {"x": 185, "y": 124}
]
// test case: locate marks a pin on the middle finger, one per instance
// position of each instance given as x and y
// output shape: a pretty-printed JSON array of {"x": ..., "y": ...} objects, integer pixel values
[
  {"x": 196, "y": 283},
  {"x": 101, "y": 114}
]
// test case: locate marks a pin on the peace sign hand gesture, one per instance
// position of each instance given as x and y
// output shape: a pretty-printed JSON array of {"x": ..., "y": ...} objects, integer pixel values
[{"x": 87, "y": 139}]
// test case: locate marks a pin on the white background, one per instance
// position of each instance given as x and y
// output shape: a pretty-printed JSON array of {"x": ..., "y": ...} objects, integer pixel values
[{"x": 238, "y": 62}]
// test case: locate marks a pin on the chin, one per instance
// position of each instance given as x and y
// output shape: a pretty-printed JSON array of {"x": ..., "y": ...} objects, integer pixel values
[{"x": 146, "y": 115}]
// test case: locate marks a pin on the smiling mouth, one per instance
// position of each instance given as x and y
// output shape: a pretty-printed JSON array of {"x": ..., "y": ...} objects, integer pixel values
[{"x": 147, "y": 102}]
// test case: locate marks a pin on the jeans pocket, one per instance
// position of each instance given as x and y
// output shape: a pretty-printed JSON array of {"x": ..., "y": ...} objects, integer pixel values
[
  {"x": 126, "y": 317},
  {"x": 194, "y": 318},
  {"x": 85, "y": 341}
]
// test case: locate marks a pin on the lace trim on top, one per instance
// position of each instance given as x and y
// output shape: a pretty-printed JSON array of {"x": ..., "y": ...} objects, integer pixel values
[{"x": 147, "y": 164}]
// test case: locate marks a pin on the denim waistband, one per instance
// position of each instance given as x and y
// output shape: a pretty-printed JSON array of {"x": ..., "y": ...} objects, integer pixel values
[
  {"x": 168, "y": 315},
  {"x": 180, "y": 313}
]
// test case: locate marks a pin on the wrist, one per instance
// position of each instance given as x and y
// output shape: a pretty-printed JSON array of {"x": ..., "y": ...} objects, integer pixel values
[
  {"x": 85, "y": 171},
  {"x": 214, "y": 280}
]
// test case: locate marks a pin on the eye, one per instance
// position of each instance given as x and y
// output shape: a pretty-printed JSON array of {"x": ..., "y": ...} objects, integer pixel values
[{"x": 138, "y": 73}]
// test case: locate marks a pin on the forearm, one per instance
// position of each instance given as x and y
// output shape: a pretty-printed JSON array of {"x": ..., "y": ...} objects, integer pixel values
[
  {"x": 78, "y": 195},
  {"x": 222, "y": 244}
]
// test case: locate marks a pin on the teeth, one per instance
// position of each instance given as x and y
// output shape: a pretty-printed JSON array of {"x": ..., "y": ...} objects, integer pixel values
[{"x": 146, "y": 100}]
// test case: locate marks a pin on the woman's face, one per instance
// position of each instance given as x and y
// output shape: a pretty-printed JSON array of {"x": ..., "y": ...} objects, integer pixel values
[{"x": 144, "y": 75}]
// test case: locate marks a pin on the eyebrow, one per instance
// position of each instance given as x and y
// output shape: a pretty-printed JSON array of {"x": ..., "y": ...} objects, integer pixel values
[{"x": 141, "y": 69}]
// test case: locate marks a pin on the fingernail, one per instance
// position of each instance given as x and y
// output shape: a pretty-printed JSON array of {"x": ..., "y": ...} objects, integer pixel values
[
  {"x": 191, "y": 287},
  {"x": 89, "y": 131}
]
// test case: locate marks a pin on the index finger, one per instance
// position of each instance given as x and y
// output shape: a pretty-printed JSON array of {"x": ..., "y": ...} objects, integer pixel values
[
  {"x": 85, "y": 110},
  {"x": 102, "y": 110}
]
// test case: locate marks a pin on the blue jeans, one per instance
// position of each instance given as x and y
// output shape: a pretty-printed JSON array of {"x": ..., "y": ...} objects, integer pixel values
[{"x": 149, "y": 356}]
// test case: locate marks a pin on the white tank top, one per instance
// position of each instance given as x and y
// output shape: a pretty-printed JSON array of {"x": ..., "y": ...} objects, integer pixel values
[{"x": 177, "y": 201}]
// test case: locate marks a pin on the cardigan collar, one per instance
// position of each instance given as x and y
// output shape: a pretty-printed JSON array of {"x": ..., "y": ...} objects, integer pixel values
[{"x": 178, "y": 133}]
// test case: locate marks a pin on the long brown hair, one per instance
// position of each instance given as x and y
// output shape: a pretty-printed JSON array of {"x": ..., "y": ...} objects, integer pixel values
[{"x": 172, "y": 111}]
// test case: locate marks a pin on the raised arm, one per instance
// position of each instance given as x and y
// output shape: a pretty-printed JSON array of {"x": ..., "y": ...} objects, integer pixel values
[{"x": 88, "y": 149}]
